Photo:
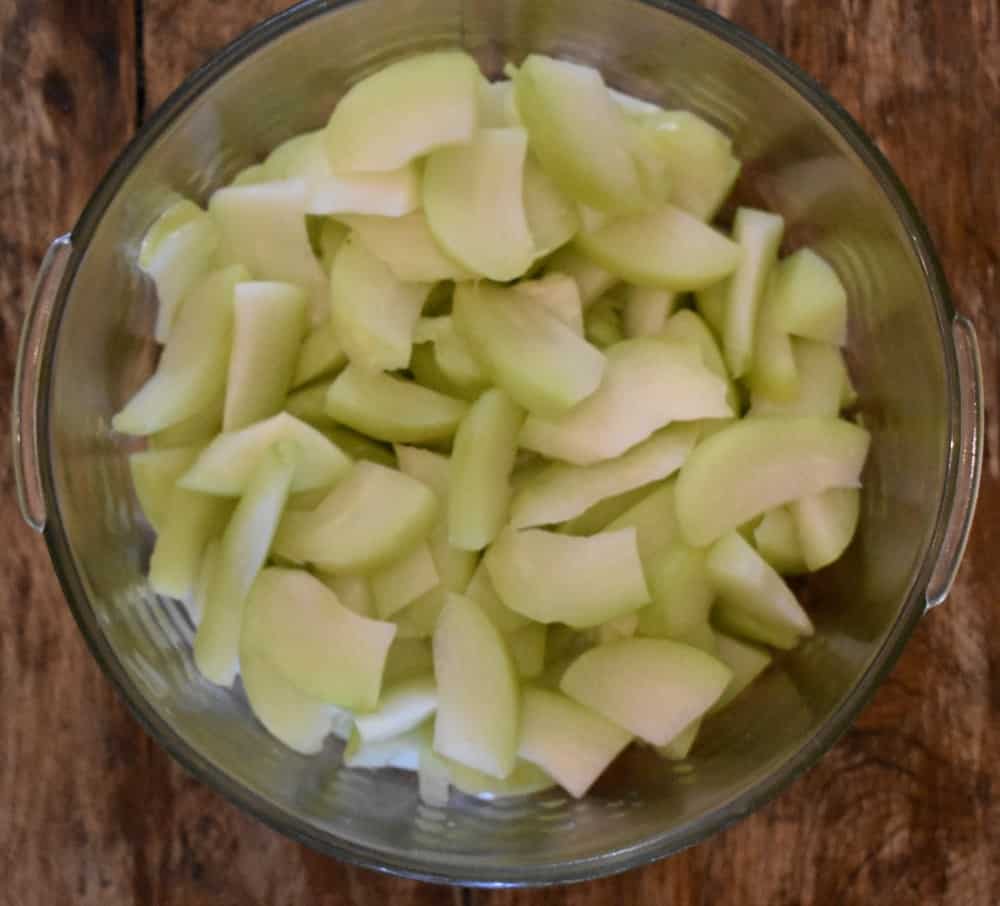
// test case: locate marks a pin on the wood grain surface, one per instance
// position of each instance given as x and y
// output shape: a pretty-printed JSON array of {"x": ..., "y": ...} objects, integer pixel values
[{"x": 905, "y": 809}]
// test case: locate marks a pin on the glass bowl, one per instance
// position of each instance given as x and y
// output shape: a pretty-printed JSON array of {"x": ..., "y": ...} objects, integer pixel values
[{"x": 87, "y": 345}]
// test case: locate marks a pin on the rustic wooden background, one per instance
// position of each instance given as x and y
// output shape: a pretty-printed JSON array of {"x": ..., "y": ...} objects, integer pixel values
[{"x": 905, "y": 809}]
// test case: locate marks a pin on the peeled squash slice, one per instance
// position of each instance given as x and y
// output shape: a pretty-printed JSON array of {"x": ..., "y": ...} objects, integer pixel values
[
  {"x": 191, "y": 521},
  {"x": 477, "y": 717},
  {"x": 552, "y": 218},
  {"x": 700, "y": 636},
  {"x": 646, "y": 310},
  {"x": 226, "y": 466},
  {"x": 563, "y": 646},
  {"x": 298, "y": 720},
  {"x": 407, "y": 658},
  {"x": 688, "y": 327},
  {"x": 682, "y": 593},
  {"x": 591, "y": 219},
  {"x": 154, "y": 474},
  {"x": 809, "y": 299},
  {"x": 700, "y": 159},
  {"x": 453, "y": 355},
  {"x": 654, "y": 522},
  {"x": 402, "y": 752},
  {"x": 474, "y": 203},
  {"x": 242, "y": 552},
  {"x": 307, "y": 500},
  {"x": 680, "y": 746},
  {"x": 745, "y": 581},
  {"x": 592, "y": 280},
  {"x": 354, "y": 592},
  {"x": 428, "y": 466},
  {"x": 404, "y": 111},
  {"x": 327, "y": 241},
  {"x": 528, "y": 465},
  {"x": 321, "y": 355},
  {"x": 560, "y": 491},
  {"x": 623, "y": 627},
  {"x": 391, "y": 193},
  {"x": 826, "y": 524},
  {"x": 654, "y": 177},
  {"x": 648, "y": 383},
  {"x": 295, "y": 156},
  {"x": 746, "y": 661},
  {"x": 264, "y": 227},
  {"x": 582, "y": 582},
  {"x": 401, "y": 708},
  {"x": 373, "y": 516},
  {"x": 579, "y": 134},
  {"x": 777, "y": 540},
  {"x": 558, "y": 294},
  {"x": 428, "y": 374},
  {"x": 758, "y": 234},
  {"x": 196, "y": 430},
  {"x": 529, "y": 352},
  {"x": 455, "y": 567},
  {"x": 666, "y": 248},
  {"x": 373, "y": 312},
  {"x": 601, "y": 514},
  {"x": 407, "y": 247},
  {"x": 774, "y": 371},
  {"x": 482, "y": 460},
  {"x": 570, "y": 742},
  {"x": 633, "y": 106},
  {"x": 711, "y": 305},
  {"x": 527, "y": 648},
  {"x": 358, "y": 446},
  {"x": 480, "y": 589},
  {"x": 176, "y": 252},
  {"x": 419, "y": 620},
  {"x": 602, "y": 322},
  {"x": 821, "y": 377},
  {"x": 309, "y": 405},
  {"x": 739, "y": 622},
  {"x": 270, "y": 320},
  {"x": 757, "y": 464},
  {"x": 403, "y": 581},
  {"x": 299, "y": 627},
  {"x": 525, "y": 780},
  {"x": 654, "y": 688},
  {"x": 192, "y": 370},
  {"x": 391, "y": 409}
]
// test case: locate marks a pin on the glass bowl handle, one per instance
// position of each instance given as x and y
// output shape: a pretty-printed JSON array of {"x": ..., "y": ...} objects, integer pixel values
[
  {"x": 970, "y": 461},
  {"x": 24, "y": 427}
]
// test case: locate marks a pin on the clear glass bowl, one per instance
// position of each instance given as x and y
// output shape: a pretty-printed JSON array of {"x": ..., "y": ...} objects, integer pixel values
[{"x": 86, "y": 346}]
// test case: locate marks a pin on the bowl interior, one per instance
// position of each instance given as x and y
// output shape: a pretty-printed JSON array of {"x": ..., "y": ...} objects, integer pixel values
[{"x": 285, "y": 78}]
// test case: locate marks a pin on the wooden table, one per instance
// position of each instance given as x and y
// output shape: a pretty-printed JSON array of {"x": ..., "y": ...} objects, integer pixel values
[{"x": 905, "y": 809}]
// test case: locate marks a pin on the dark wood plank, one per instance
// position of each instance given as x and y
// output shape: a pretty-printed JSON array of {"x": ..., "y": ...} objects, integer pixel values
[
  {"x": 905, "y": 809},
  {"x": 69, "y": 753},
  {"x": 180, "y": 35}
]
